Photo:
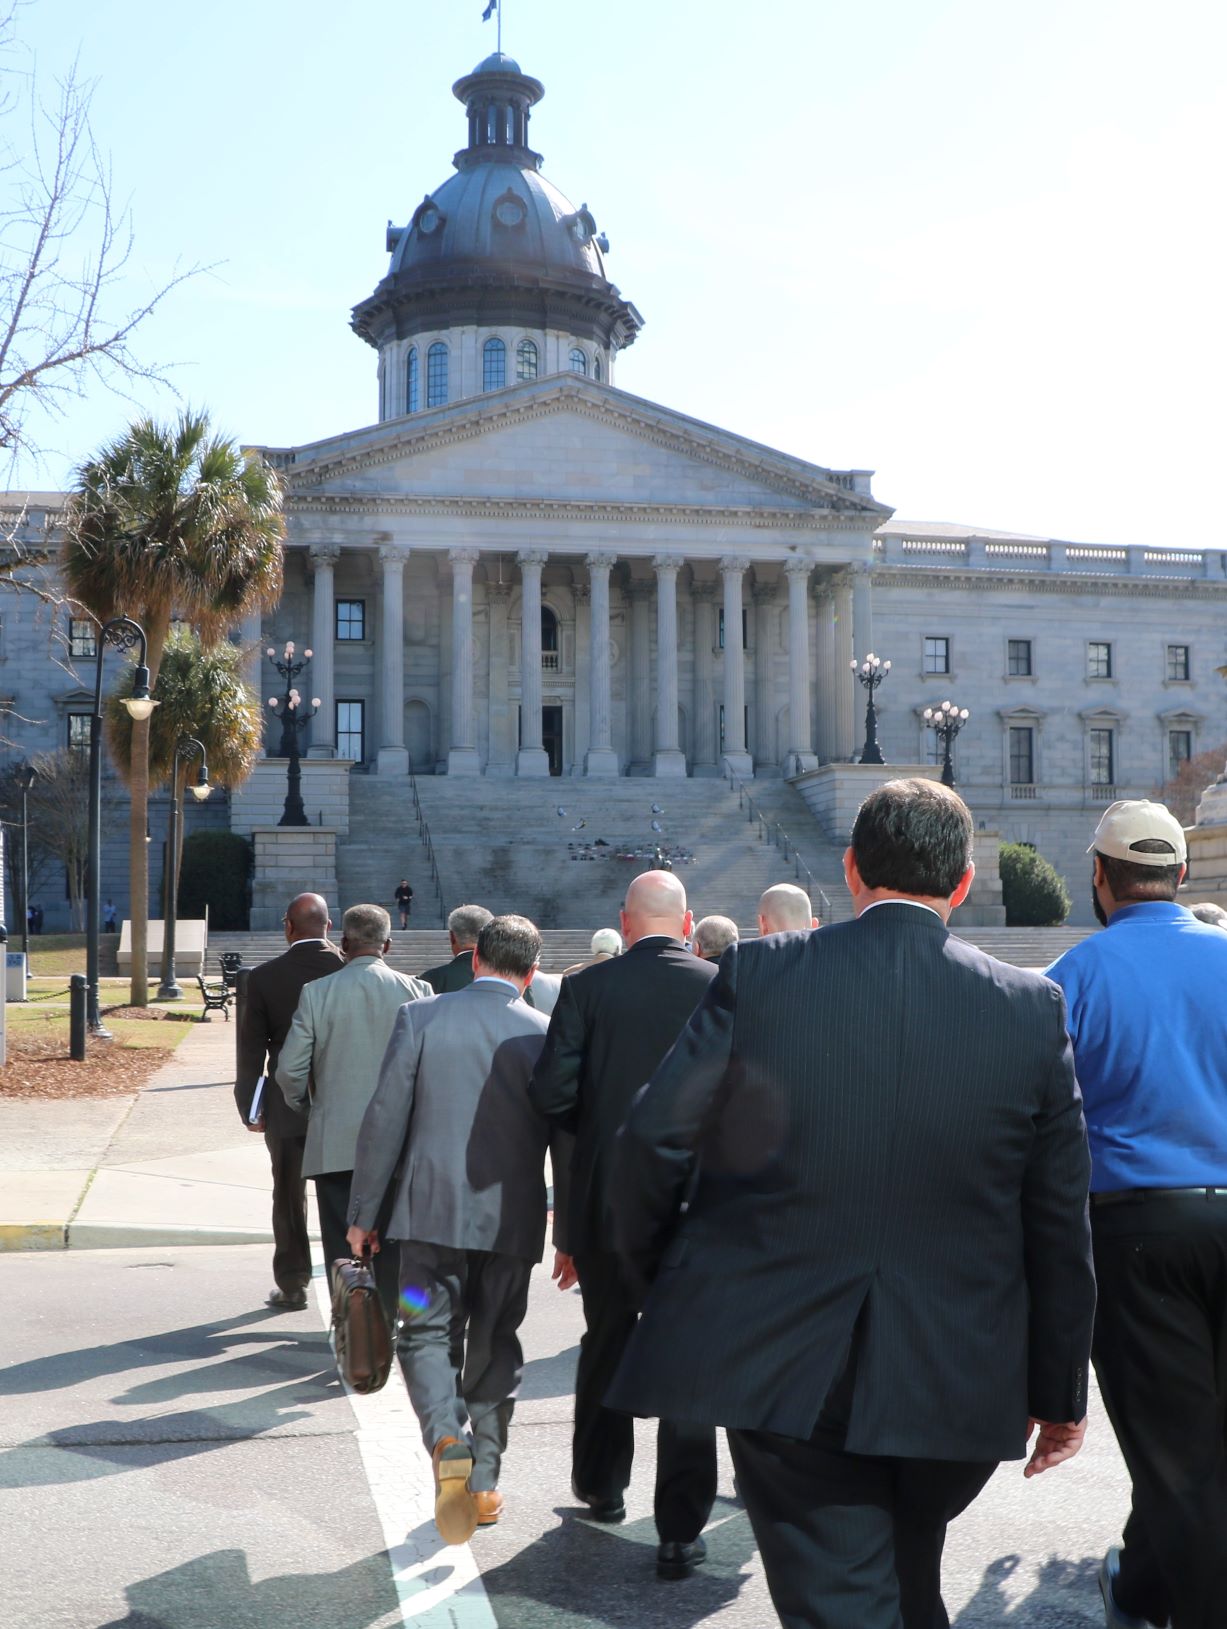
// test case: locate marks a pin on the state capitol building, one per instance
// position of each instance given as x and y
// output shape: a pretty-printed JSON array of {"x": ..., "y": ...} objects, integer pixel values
[{"x": 519, "y": 570}]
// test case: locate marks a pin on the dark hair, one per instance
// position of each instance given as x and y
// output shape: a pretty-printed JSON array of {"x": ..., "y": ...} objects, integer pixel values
[
  {"x": 913, "y": 836},
  {"x": 509, "y": 945},
  {"x": 1128, "y": 881}
]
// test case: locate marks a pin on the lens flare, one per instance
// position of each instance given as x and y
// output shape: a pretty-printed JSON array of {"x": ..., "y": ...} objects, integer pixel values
[{"x": 415, "y": 1300}]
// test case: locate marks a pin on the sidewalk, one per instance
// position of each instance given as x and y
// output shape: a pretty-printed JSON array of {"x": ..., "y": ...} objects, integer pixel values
[{"x": 170, "y": 1165}]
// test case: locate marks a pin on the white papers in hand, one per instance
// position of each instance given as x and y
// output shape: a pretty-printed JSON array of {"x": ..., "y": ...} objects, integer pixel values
[{"x": 257, "y": 1102}]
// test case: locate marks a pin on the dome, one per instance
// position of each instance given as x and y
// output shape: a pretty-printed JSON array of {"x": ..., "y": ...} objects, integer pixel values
[{"x": 498, "y": 63}]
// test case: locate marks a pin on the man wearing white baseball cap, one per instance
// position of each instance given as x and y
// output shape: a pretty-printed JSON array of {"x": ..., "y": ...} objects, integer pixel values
[{"x": 1148, "y": 1021}]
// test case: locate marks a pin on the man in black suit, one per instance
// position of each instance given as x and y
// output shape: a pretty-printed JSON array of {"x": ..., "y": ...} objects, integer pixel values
[
  {"x": 611, "y": 1027},
  {"x": 882, "y": 1278},
  {"x": 272, "y": 995},
  {"x": 463, "y": 926}
]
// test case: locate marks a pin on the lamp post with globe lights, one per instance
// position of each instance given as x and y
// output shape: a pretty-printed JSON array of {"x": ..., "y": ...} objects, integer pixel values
[
  {"x": 294, "y": 717},
  {"x": 871, "y": 673},
  {"x": 124, "y": 635},
  {"x": 169, "y": 989},
  {"x": 946, "y": 721}
]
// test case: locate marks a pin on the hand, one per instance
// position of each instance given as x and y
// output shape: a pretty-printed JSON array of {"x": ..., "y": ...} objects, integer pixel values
[
  {"x": 360, "y": 1242},
  {"x": 256, "y": 1125},
  {"x": 564, "y": 1270},
  {"x": 1054, "y": 1444}
]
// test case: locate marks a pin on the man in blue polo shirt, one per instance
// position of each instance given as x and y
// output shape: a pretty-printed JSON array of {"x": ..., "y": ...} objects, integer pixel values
[{"x": 1147, "y": 1004}]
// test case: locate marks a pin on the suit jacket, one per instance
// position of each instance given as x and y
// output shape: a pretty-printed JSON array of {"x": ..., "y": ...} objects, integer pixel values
[
  {"x": 612, "y": 1025},
  {"x": 273, "y": 990},
  {"x": 330, "y": 1061},
  {"x": 452, "y": 1110},
  {"x": 892, "y": 1176},
  {"x": 454, "y": 975},
  {"x": 542, "y": 993}
]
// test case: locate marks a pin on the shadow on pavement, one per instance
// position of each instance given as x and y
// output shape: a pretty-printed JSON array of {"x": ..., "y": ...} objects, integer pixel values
[
  {"x": 216, "y": 1590},
  {"x": 549, "y": 1377},
  {"x": 1065, "y": 1594}
]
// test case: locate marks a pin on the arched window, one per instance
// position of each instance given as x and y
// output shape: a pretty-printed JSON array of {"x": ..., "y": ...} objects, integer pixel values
[
  {"x": 436, "y": 375},
  {"x": 526, "y": 360},
  {"x": 549, "y": 640},
  {"x": 411, "y": 380},
  {"x": 596, "y": 369},
  {"x": 579, "y": 361},
  {"x": 493, "y": 365}
]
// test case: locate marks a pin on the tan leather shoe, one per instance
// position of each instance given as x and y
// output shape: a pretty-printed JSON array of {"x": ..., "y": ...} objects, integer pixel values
[
  {"x": 455, "y": 1504},
  {"x": 489, "y": 1507}
]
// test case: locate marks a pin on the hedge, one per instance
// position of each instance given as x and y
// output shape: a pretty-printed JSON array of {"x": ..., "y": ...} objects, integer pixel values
[
  {"x": 216, "y": 871},
  {"x": 1033, "y": 892}
]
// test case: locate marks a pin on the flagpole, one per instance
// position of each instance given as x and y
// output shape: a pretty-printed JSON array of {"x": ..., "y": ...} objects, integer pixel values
[{"x": 500, "y": 30}]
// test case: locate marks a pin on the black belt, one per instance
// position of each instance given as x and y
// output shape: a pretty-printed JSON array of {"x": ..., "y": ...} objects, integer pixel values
[{"x": 1135, "y": 1196}]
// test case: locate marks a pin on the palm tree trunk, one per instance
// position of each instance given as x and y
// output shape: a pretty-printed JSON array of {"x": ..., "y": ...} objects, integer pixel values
[{"x": 138, "y": 866}]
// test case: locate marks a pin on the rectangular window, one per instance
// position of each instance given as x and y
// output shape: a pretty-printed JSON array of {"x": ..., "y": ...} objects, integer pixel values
[
  {"x": 78, "y": 732},
  {"x": 1103, "y": 758},
  {"x": 1018, "y": 658},
  {"x": 937, "y": 654},
  {"x": 1099, "y": 659},
  {"x": 351, "y": 619},
  {"x": 82, "y": 637},
  {"x": 351, "y": 730},
  {"x": 1022, "y": 755},
  {"x": 745, "y": 629},
  {"x": 1177, "y": 661},
  {"x": 1179, "y": 750}
]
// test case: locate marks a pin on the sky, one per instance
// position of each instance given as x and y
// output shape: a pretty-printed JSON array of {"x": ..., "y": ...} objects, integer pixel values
[{"x": 974, "y": 247}]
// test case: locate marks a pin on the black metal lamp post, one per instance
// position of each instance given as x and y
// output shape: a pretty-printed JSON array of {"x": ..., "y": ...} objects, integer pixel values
[
  {"x": 125, "y": 635},
  {"x": 294, "y": 717},
  {"x": 946, "y": 721},
  {"x": 871, "y": 673},
  {"x": 26, "y": 777},
  {"x": 169, "y": 989}
]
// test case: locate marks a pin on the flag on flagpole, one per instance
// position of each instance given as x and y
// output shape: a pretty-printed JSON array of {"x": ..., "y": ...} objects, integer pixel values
[{"x": 489, "y": 11}]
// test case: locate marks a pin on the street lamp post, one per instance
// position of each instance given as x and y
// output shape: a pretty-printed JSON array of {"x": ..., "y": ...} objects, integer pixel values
[
  {"x": 125, "y": 635},
  {"x": 946, "y": 721},
  {"x": 26, "y": 776},
  {"x": 169, "y": 989},
  {"x": 294, "y": 717},
  {"x": 871, "y": 673}
]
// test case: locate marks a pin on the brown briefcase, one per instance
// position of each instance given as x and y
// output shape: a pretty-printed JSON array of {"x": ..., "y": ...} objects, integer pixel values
[{"x": 361, "y": 1336}]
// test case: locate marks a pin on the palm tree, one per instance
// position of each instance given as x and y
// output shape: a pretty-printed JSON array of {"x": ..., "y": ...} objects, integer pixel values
[{"x": 170, "y": 518}]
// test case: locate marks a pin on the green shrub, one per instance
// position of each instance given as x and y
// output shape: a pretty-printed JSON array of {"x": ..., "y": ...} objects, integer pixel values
[
  {"x": 1034, "y": 894},
  {"x": 216, "y": 868}
]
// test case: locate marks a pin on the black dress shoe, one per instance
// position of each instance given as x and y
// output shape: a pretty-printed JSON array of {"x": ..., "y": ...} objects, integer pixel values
[
  {"x": 679, "y": 1560},
  {"x": 287, "y": 1300},
  {"x": 609, "y": 1509}
]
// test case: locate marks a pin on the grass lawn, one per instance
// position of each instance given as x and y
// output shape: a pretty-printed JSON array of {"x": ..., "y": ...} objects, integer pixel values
[{"x": 141, "y": 1041}]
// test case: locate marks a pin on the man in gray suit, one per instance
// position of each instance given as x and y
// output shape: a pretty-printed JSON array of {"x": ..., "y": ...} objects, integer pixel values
[
  {"x": 452, "y": 1112},
  {"x": 330, "y": 1062}
]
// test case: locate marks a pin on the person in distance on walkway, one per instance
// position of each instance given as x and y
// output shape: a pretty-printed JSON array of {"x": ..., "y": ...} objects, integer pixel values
[
  {"x": 452, "y": 1111},
  {"x": 404, "y": 900},
  {"x": 609, "y": 1031},
  {"x": 463, "y": 926},
  {"x": 785, "y": 908},
  {"x": 272, "y": 995},
  {"x": 606, "y": 944},
  {"x": 713, "y": 935},
  {"x": 858, "y": 1188},
  {"x": 329, "y": 1067},
  {"x": 1149, "y": 1029}
]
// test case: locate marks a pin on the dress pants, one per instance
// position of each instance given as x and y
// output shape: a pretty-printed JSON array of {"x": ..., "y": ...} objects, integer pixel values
[
  {"x": 849, "y": 1541},
  {"x": 1160, "y": 1353},
  {"x": 459, "y": 1347},
  {"x": 603, "y": 1445},
  {"x": 291, "y": 1244},
  {"x": 332, "y": 1202}
]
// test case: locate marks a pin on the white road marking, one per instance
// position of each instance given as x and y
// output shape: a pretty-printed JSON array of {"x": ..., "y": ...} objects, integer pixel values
[{"x": 438, "y": 1585}]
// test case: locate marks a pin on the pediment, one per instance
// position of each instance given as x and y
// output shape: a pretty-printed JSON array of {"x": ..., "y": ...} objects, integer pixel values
[{"x": 566, "y": 440}]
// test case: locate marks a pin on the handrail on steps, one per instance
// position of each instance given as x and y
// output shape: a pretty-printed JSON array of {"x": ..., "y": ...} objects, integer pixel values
[
  {"x": 772, "y": 831},
  {"x": 424, "y": 835}
]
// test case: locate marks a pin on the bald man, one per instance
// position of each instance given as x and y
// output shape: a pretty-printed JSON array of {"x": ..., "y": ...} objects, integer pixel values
[
  {"x": 271, "y": 998},
  {"x": 785, "y": 908},
  {"x": 611, "y": 1027}
]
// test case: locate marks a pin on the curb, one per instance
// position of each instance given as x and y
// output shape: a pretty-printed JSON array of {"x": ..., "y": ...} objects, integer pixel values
[
  {"x": 16, "y": 1236},
  {"x": 155, "y": 1235}
]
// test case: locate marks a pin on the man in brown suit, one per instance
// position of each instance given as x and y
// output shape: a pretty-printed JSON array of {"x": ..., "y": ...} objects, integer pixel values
[{"x": 273, "y": 989}]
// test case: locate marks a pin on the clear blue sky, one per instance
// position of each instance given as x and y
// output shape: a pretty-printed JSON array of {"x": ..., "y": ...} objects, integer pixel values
[{"x": 975, "y": 247}]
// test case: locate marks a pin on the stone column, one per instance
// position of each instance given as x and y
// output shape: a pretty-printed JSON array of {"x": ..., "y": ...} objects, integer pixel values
[
  {"x": 318, "y": 680},
  {"x": 704, "y": 730},
  {"x": 862, "y": 611},
  {"x": 764, "y": 701},
  {"x": 668, "y": 758},
  {"x": 252, "y": 646},
  {"x": 393, "y": 757},
  {"x": 462, "y": 759},
  {"x": 501, "y": 760},
  {"x": 736, "y": 757},
  {"x": 638, "y": 591},
  {"x": 601, "y": 758},
  {"x": 801, "y": 755},
  {"x": 844, "y": 685},
  {"x": 531, "y": 758},
  {"x": 826, "y": 643}
]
